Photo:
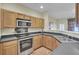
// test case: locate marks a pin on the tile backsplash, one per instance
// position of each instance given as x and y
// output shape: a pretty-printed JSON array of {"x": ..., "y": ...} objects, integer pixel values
[{"x": 7, "y": 31}]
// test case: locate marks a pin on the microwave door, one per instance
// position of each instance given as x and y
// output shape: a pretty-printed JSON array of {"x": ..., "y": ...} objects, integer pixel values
[
  {"x": 29, "y": 24},
  {"x": 19, "y": 23}
]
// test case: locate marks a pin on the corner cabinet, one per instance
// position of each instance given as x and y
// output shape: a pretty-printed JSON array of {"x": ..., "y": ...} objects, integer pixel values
[
  {"x": 50, "y": 42},
  {"x": 45, "y": 41},
  {"x": 9, "y": 19},
  {"x": 9, "y": 48},
  {"x": 37, "y": 41}
]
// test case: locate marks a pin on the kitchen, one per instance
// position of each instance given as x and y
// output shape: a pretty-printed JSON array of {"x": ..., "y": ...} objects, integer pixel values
[{"x": 39, "y": 29}]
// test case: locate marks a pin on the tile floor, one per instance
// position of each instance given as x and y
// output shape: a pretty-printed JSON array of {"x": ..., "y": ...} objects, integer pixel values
[{"x": 41, "y": 51}]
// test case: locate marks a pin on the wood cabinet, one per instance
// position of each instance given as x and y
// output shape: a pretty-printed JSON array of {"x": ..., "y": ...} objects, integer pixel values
[
  {"x": 33, "y": 22},
  {"x": 71, "y": 23},
  {"x": 9, "y": 19},
  {"x": 42, "y": 23},
  {"x": 57, "y": 43},
  {"x": 37, "y": 41},
  {"x": 9, "y": 48},
  {"x": 37, "y": 22},
  {"x": 0, "y": 48},
  {"x": 77, "y": 13},
  {"x": 45, "y": 41},
  {"x": 21, "y": 16},
  {"x": 27, "y": 17},
  {"x": 0, "y": 17},
  {"x": 50, "y": 42}
]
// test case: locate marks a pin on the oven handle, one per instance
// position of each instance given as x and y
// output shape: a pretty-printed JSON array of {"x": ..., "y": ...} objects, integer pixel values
[{"x": 25, "y": 38}]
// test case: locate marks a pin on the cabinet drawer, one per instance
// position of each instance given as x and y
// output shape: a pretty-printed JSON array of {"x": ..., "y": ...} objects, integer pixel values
[{"x": 10, "y": 43}]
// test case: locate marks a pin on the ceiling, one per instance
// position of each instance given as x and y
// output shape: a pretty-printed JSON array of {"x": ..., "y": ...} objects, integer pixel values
[{"x": 56, "y": 10}]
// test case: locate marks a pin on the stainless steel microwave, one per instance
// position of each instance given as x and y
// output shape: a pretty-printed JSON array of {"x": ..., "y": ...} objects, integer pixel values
[{"x": 23, "y": 23}]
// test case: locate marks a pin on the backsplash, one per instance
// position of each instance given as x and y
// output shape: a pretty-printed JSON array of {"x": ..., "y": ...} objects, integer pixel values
[
  {"x": 34, "y": 29},
  {"x": 7, "y": 31}
]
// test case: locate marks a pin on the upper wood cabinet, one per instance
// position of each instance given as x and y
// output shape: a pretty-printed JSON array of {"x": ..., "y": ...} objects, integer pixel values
[
  {"x": 21, "y": 16},
  {"x": 37, "y": 41},
  {"x": 33, "y": 21},
  {"x": 77, "y": 13},
  {"x": 9, "y": 19},
  {"x": 71, "y": 23},
  {"x": 1, "y": 18},
  {"x": 9, "y": 48},
  {"x": 0, "y": 48},
  {"x": 27, "y": 17},
  {"x": 41, "y": 23},
  {"x": 37, "y": 22}
]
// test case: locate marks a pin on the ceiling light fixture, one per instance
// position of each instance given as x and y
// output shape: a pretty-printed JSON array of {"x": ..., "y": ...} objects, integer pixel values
[{"x": 41, "y": 6}]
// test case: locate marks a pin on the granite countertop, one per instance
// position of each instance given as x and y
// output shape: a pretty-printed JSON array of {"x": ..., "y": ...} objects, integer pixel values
[
  {"x": 67, "y": 46},
  {"x": 57, "y": 35}
]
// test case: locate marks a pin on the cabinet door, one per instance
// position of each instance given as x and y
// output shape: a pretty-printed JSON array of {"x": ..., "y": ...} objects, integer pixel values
[
  {"x": 49, "y": 42},
  {"x": 77, "y": 13},
  {"x": 10, "y": 50},
  {"x": 27, "y": 17},
  {"x": 33, "y": 20},
  {"x": 21, "y": 16},
  {"x": 37, "y": 23},
  {"x": 9, "y": 18},
  {"x": 1, "y": 18},
  {"x": 41, "y": 23},
  {"x": 0, "y": 48},
  {"x": 37, "y": 41},
  {"x": 57, "y": 44}
]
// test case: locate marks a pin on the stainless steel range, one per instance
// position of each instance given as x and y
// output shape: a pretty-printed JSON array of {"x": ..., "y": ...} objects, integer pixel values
[{"x": 25, "y": 41}]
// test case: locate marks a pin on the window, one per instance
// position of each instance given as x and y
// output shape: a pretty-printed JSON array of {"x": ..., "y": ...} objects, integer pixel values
[
  {"x": 52, "y": 26},
  {"x": 61, "y": 27}
]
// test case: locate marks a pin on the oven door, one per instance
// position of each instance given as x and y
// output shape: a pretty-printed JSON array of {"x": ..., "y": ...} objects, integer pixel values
[{"x": 25, "y": 44}]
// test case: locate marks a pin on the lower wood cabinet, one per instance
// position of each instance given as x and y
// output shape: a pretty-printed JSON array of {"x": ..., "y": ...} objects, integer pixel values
[
  {"x": 49, "y": 42},
  {"x": 45, "y": 41},
  {"x": 0, "y": 49},
  {"x": 57, "y": 43},
  {"x": 9, "y": 48},
  {"x": 37, "y": 41}
]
